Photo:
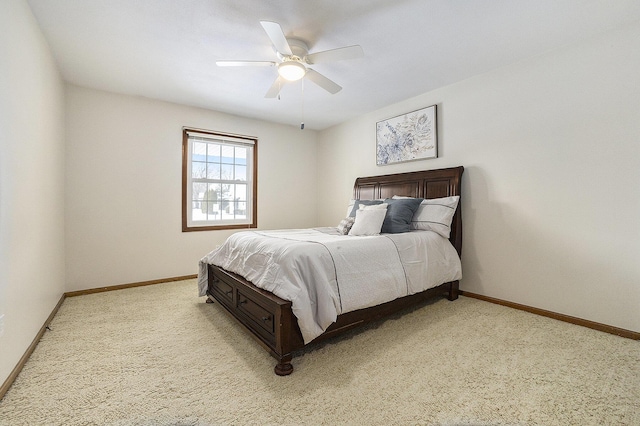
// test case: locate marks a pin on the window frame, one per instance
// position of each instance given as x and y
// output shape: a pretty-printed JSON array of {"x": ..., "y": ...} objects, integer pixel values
[{"x": 252, "y": 185}]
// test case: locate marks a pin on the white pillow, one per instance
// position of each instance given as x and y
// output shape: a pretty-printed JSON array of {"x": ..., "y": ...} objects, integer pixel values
[
  {"x": 435, "y": 214},
  {"x": 382, "y": 206},
  {"x": 368, "y": 222},
  {"x": 352, "y": 202}
]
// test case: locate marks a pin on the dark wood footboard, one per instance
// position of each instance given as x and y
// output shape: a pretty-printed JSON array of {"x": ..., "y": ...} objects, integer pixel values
[
  {"x": 267, "y": 317},
  {"x": 272, "y": 323}
]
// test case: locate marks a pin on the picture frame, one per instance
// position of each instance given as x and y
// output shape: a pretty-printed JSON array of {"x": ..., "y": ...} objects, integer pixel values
[{"x": 407, "y": 137}]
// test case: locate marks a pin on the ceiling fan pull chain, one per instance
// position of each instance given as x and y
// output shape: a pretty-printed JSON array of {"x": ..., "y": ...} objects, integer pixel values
[{"x": 302, "y": 106}]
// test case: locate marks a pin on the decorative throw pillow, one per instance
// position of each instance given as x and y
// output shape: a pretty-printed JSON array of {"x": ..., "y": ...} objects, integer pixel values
[
  {"x": 381, "y": 206},
  {"x": 368, "y": 222},
  {"x": 358, "y": 203},
  {"x": 399, "y": 214},
  {"x": 345, "y": 225},
  {"x": 436, "y": 215}
]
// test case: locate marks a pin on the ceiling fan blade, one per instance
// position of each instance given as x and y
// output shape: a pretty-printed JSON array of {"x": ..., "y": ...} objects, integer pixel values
[
  {"x": 275, "y": 88},
  {"x": 349, "y": 52},
  {"x": 275, "y": 33},
  {"x": 245, "y": 63},
  {"x": 322, "y": 81}
]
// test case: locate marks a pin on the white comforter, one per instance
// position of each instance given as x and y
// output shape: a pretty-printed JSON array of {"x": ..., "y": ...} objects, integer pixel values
[{"x": 325, "y": 274}]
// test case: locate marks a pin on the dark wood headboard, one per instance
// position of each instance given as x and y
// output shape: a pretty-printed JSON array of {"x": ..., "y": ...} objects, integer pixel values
[{"x": 423, "y": 184}]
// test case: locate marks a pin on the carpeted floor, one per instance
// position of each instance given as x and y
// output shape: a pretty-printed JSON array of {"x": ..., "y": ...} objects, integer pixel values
[{"x": 159, "y": 355}]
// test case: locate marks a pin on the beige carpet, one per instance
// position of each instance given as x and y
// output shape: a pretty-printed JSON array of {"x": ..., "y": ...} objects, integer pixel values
[{"x": 159, "y": 355}]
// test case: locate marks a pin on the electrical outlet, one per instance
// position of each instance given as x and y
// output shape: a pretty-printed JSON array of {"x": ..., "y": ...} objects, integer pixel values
[{"x": 1, "y": 325}]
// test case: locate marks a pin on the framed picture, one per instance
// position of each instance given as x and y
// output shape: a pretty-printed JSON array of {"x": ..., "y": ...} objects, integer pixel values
[{"x": 407, "y": 137}]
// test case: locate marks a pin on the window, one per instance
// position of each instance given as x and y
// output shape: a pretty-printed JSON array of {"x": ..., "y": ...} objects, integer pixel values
[{"x": 218, "y": 181}]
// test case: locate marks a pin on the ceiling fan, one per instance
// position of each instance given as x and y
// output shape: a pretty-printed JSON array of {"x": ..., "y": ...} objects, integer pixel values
[{"x": 294, "y": 60}]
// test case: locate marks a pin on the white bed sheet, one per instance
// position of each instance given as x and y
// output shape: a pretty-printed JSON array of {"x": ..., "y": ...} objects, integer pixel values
[{"x": 325, "y": 274}]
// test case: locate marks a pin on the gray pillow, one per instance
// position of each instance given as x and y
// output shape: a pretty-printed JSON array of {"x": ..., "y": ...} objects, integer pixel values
[
  {"x": 358, "y": 203},
  {"x": 399, "y": 215}
]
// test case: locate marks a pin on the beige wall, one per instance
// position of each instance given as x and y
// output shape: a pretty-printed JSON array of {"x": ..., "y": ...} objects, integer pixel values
[
  {"x": 551, "y": 200},
  {"x": 31, "y": 182},
  {"x": 123, "y": 186}
]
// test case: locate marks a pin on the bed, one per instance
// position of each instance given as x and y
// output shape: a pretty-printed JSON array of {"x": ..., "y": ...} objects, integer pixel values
[{"x": 272, "y": 319}]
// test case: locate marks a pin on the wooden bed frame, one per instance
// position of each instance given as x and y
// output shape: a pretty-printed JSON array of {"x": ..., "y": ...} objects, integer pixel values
[{"x": 270, "y": 319}]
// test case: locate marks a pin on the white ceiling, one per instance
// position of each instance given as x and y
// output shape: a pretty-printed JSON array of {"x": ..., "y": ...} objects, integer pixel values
[{"x": 166, "y": 49}]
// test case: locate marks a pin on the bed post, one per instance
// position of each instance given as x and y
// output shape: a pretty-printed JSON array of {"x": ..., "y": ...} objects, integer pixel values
[
  {"x": 284, "y": 344},
  {"x": 453, "y": 290},
  {"x": 284, "y": 367}
]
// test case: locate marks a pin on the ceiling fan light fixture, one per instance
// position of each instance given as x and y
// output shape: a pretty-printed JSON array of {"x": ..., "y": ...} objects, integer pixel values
[{"x": 291, "y": 70}]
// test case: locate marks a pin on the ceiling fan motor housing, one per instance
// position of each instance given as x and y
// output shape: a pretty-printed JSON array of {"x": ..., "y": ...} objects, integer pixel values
[{"x": 299, "y": 49}]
